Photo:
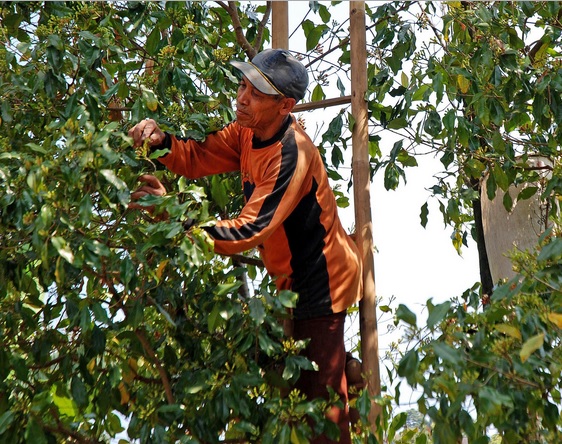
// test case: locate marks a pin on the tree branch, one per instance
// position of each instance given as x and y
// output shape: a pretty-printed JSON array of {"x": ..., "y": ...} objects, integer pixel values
[
  {"x": 161, "y": 370},
  {"x": 232, "y": 10},
  {"x": 241, "y": 259}
]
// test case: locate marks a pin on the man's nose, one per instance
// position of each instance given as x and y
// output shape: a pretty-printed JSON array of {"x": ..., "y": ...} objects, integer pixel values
[{"x": 243, "y": 97}]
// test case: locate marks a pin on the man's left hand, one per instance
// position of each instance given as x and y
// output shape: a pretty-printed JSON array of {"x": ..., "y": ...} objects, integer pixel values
[{"x": 153, "y": 187}]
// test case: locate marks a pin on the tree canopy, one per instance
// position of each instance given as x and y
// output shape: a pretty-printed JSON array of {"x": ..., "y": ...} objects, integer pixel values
[{"x": 117, "y": 325}]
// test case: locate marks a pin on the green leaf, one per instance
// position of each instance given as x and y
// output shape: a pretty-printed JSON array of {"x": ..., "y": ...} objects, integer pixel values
[
  {"x": 111, "y": 177},
  {"x": 288, "y": 298},
  {"x": 507, "y": 202},
  {"x": 65, "y": 405},
  {"x": 527, "y": 193},
  {"x": 215, "y": 320},
  {"x": 334, "y": 130},
  {"x": 474, "y": 168},
  {"x": 492, "y": 402},
  {"x": 384, "y": 308},
  {"x": 227, "y": 288},
  {"x": 149, "y": 99},
  {"x": 530, "y": 346},
  {"x": 153, "y": 41},
  {"x": 408, "y": 366},
  {"x": 135, "y": 314},
  {"x": 6, "y": 420},
  {"x": 398, "y": 123},
  {"x": 85, "y": 209},
  {"x": 406, "y": 159},
  {"x": 447, "y": 353},
  {"x": 313, "y": 32},
  {"x": 500, "y": 176},
  {"x": 218, "y": 191},
  {"x": 437, "y": 313},
  {"x": 318, "y": 93},
  {"x": 396, "y": 424},
  {"x": 324, "y": 13},
  {"x": 34, "y": 433},
  {"x": 432, "y": 124},
  {"x": 78, "y": 390},
  {"x": 392, "y": 174},
  {"x": 257, "y": 310},
  {"x": 509, "y": 330},
  {"x": 556, "y": 319},
  {"x": 297, "y": 436},
  {"x": 551, "y": 251},
  {"x": 403, "y": 313},
  {"x": 491, "y": 187},
  {"x": 424, "y": 214},
  {"x": 63, "y": 248}
]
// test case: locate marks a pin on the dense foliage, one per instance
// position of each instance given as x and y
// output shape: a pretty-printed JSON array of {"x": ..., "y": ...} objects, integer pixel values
[
  {"x": 484, "y": 95},
  {"x": 115, "y": 324}
]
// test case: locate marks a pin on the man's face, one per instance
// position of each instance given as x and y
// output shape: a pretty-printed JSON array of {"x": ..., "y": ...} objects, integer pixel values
[{"x": 255, "y": 109}]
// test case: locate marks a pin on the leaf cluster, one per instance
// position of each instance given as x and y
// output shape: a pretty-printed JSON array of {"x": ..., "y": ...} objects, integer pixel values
[
  {"x": 493, "y": 365},
  {"x": 115, "y": 323}
]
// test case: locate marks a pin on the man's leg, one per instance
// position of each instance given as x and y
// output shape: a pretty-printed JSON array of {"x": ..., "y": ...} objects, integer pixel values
[{"x": 327, "y": 349}]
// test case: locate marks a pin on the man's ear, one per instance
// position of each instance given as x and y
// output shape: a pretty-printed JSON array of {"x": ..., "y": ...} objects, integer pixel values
[{"x": 287, "y": 106}]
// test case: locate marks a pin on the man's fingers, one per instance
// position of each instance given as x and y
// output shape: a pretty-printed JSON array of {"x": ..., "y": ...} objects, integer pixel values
[
  {"x": 152, "y": 187},
  {"x": 154, "y": 183},
  {"x": 149, "y": 179},
  {"x": 136, "y": 133},
  {"x": 146, "y": 129},
  {"x": 140, "y": 193}
]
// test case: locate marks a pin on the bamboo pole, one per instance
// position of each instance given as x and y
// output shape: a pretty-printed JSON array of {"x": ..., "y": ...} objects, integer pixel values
[
  {"x": 362, "y": 202},
  {"x": 280, "y": 24},
  {"x": 326, "y": 103}
]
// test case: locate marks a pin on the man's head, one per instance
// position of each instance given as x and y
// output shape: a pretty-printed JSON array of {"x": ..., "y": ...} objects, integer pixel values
[{"x": 276, "y": 72}]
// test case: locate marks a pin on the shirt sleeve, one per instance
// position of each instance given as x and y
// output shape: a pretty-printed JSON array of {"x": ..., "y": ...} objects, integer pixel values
[{"x": 219, "y": 153}]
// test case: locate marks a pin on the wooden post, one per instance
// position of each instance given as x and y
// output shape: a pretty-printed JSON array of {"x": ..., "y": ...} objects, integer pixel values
[
  {"x": 280, "y": 24},
  {"x": 362, "y": 202}
]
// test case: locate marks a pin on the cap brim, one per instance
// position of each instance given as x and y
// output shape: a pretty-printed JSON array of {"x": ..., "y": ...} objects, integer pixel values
[{"x": 255, "y": 77}]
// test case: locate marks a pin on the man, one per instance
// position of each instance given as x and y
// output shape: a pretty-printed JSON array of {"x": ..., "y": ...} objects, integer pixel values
[{"x": 290, "y": 212}]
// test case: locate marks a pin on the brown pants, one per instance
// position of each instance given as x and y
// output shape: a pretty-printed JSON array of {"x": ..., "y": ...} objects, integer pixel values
[{"x": 327, "y": 349}]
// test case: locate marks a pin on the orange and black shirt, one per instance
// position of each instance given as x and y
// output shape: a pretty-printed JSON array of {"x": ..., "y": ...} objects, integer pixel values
[{"x": 290, "y": 212}]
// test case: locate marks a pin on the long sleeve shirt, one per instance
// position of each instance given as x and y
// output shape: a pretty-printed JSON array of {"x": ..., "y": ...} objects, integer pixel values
[{"x": 290, "y": 212}]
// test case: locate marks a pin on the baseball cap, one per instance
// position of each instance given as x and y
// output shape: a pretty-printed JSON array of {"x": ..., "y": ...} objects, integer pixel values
[{"x": 275, "y": 71}]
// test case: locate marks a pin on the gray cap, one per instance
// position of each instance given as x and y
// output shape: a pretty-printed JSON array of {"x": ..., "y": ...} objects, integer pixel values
[{"x": 276, "y": 71}]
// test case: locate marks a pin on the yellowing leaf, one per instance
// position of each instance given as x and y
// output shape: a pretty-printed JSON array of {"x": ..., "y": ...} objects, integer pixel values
[
  {"x": 509, "y": 330},
  {"x": 129, "y": 370},
  {"x": 149, "y": 99},
  {"x": 540, "y": 56},
  {"x": 531, "y": 345},
  {"x": 556, "y": 319},
  {"x": 125, "y": 397},
  {"x": 463, "y": 83},
  {"x": 161, "y": 268}
]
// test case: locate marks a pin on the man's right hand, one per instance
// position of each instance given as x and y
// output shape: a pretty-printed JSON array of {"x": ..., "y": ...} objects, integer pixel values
[{"x": 147, "y": 129}]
